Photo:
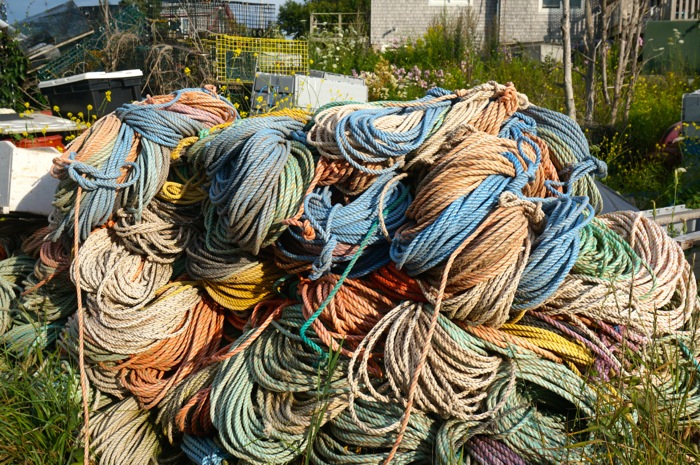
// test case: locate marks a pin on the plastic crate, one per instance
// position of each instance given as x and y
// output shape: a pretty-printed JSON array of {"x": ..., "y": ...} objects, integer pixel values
[
  {"x": 26, "y": 184},
  {"x": 73, "y": 94},
  {"x": 691, "y": 115}
]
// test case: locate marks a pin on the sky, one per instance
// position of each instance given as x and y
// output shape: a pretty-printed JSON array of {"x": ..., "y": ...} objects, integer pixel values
[{"x": 20, "y": 9}]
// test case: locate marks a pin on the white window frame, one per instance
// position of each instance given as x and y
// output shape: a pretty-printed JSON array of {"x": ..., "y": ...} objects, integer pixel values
[
  {"x": 544, "y": 8},
  {"x": 449, "y": 2}
]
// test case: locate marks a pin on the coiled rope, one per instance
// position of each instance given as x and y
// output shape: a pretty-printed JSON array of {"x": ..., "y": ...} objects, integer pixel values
[{"x": 394, "y": 282}]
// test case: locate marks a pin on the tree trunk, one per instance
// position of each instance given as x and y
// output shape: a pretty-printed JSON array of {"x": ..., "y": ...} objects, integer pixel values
[
  {"x": 590, "y": 65},
  {"x": 635, "y": 66},
  {"x": 622, "y": 60},
  {"x": 568, "y": 84},
  {"x": 104, "y": 4},
  {"x": 604, "y": 19}
]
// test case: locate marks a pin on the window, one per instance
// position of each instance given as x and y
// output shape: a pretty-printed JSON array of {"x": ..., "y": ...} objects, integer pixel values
[
  {"x": 575, "y": 4},
  {"x": 449, "y": 2}
]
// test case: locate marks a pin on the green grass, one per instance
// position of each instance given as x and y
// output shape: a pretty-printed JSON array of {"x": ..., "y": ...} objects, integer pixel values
[{"x": 39, "y": 410}]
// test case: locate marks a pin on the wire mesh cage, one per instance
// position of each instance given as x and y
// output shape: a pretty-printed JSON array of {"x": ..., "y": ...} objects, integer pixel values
[
  {"x": 257, "y": 18},
  {"x": 87, "y": 54},
  {"x": 239, "y": 58},
  {"x": 186, "y": 18}
]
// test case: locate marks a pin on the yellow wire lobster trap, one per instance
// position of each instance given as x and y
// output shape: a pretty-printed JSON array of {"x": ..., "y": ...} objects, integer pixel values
[{"x": 238, "y": 59}]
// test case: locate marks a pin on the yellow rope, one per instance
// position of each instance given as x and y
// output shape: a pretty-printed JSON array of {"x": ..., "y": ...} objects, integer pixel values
[
  {"x": 188, "y": 193},
  {"x": 302, "y": 116},
  {"x": 244, "y": 289},
  {"x": 182, "y": 145},
  {"x": 568, "y": 350}
]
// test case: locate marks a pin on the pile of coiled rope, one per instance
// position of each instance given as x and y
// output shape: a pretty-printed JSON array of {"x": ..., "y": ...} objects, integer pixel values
[{"x": 406, "y": 282}]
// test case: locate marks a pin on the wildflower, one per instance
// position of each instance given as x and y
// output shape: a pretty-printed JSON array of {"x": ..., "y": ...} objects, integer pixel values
[
  {"x": 187, "y": 71},
  {"x": 69, "y": 114},
  {"x": 60, "y": 149},
  {"x": 56, "y": 109},
  {"x": 26, "y": 104},
  {"x": 223, "y": 88},
  {"x": 237, "y": 105},
  {"x": 311, "y": 62},
  {"x": 81, "y": 115},
  {"x": 43, "y": 131},
  {"x": 89, "y": 107},
  {"x": 108, "y": 95},
  {"x": 25, "y": 134}
]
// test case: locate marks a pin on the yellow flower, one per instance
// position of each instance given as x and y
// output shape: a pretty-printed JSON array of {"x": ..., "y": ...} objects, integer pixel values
[
  {"x": 187, "y": 71},
  {"x": 25, "y": 134},
  {"x": 108, "y": 95},
  {"x": 60, "y": 149},
  {"x": 56, "y": 109},
  {"x": 311, "y": 62},
  {"x": 89, "y": 107},
  {"x": 81, "y": 115},
  {"x": 223, "y": 88},
  {"x": 259, "y": 99},
  {"x": 94, "y": 117},
  {"x": 26, "y": 104},
  {"x": 43, "y": 131},
  {"x": 236, "y": 105},
  {"x": 69, "y": 114},
  {"x": 88, "y": 124}
]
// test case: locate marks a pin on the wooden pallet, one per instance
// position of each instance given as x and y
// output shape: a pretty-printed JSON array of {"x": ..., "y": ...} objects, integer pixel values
[{"x": 687, "y": 222}]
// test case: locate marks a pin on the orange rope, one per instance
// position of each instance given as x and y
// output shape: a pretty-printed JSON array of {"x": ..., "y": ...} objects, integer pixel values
[{"x": 149, "y": 375}]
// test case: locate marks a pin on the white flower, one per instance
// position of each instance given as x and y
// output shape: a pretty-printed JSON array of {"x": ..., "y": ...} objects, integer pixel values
[{"x": 681, "y": 41}]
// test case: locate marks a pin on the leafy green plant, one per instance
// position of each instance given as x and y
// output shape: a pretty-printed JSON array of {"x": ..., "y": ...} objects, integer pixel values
[
  {"x": 341, "y": 51},
  {"x": 39, "y": 410},
  {"x": 13, "y": 77}
]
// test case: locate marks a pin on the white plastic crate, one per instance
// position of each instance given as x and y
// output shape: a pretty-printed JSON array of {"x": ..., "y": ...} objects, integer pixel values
[
  {"x": 311, "y": 93},
  {"x": 26, "y": 184},
  {"x": 691, "y": 114}
]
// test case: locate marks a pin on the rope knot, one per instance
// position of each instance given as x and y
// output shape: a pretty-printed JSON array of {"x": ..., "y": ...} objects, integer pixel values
[
  {"x": 307, "y": 231},
  {"x": 90, "y": 178},
  {"x": 325, "y": 259},
  {"x": 532, "y": 210}
]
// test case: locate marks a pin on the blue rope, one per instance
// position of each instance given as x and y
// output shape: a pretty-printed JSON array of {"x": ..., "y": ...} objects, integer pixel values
[
  {"x": 461, "y": 218},
  {"x": 263, "y": 181},
  {"x": 554, "y": 251},
  {"x": 387, "y": 145},
  {"x": 337, "y": 224},
  {"x": 204, "y": 451}
]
